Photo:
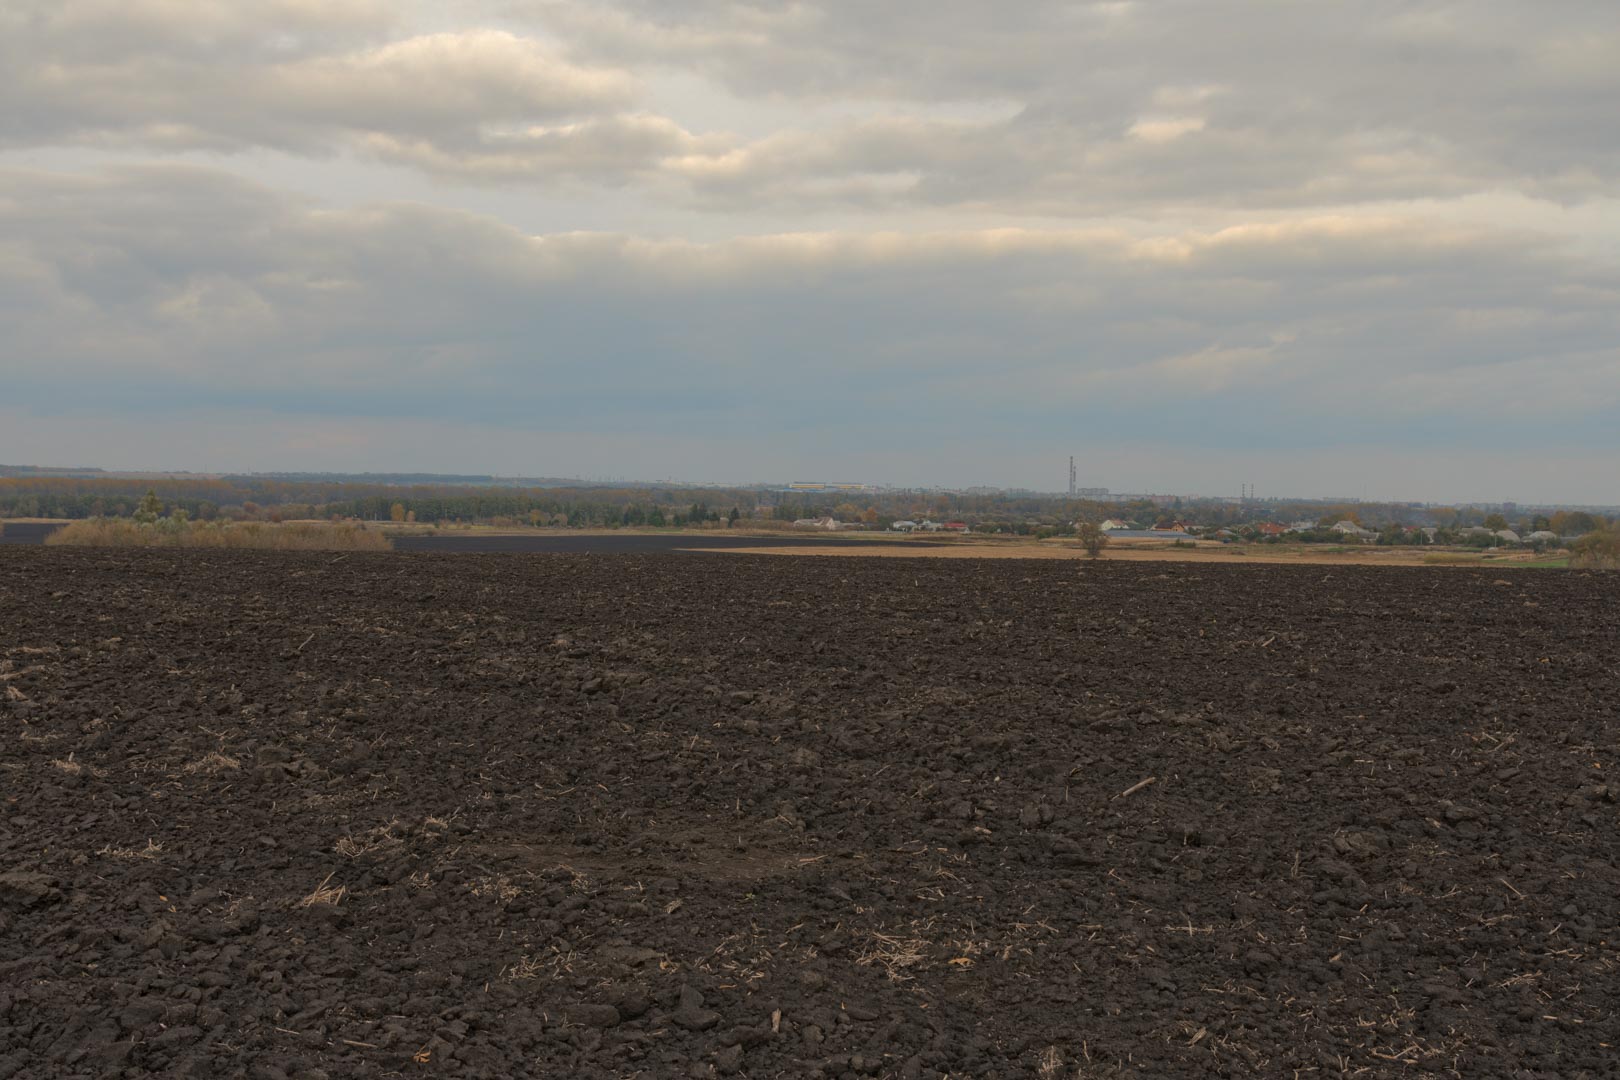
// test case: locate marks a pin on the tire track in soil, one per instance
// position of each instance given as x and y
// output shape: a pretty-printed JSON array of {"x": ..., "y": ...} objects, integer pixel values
[{"x": 386, "y": 815}]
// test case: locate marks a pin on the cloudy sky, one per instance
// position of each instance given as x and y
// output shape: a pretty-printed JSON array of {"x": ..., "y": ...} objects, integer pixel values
[{"x": 1365, "y": 248}]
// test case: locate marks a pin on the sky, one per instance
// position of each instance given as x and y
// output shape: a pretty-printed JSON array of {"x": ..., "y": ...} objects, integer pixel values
[{"x": 1350, "y": 249}]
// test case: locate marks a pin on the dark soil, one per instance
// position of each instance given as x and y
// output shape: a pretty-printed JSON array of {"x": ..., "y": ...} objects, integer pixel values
[
  {"x": 282, "y": 815},
  {"x": 628, "y": 543},
  {"x": 585, "y": 543},
  {"x": 26, "y": 532}
]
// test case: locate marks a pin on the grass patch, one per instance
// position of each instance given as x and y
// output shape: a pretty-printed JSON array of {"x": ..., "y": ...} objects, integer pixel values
[{"x": 289, "y": 536}]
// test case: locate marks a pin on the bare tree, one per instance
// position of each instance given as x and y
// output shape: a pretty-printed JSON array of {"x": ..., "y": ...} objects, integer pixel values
[{"x": 1092, "y": 538}]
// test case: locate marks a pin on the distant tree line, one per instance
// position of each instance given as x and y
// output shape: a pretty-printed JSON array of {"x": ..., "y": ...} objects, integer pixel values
[
  {"x": 252, "y": 499},
  {"x": 261, "y": 498}
]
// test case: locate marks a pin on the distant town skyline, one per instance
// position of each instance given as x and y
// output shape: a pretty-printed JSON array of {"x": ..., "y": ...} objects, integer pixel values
[{"x": 1366, "y": 247}]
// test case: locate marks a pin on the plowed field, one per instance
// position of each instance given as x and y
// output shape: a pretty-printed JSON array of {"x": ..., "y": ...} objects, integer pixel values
[{"x": 306, "y": 815}]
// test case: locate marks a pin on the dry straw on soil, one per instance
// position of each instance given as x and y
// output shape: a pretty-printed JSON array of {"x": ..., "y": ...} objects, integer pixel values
[
  {"x": 895, "y": 953},
  {"x": 213, "y": 763},
  {"x": 151, "y": 851},
  {"x": 324, "y": 894},
  {"x": 292, "y": 536}
]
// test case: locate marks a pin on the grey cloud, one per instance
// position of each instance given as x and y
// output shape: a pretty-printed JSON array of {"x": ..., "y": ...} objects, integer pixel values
[
  {"x": 1032, "y": 109},
  {"x": 906, "y": 49},
  {"x": 192, "y": 285},
  {"x": 1187, "y": 102},
  {"x": 110, "y": 32}
]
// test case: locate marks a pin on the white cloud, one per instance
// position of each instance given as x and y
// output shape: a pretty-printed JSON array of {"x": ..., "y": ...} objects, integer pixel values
[
  {"x": 615, "y": 148},
  {"x": 1165, "y": 129},
  {"x": 483, "y": 101}
]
